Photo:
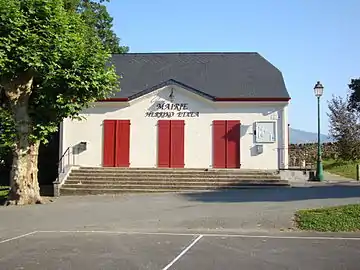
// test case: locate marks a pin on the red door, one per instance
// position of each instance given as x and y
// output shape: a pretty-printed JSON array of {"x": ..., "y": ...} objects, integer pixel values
[
  {"x": 116, "y": 143},
  {"x": 233, "y": 144},
  {"x": 226, "y": 144},
  {"x": 219, "y": 144},
  {"x": 177, "y": 144},
  {"x": 171, "y": 143},
  {"x": 122, "y": 143},
  {"x": 164, "y": 129},
  {"x": 109, "y": 143}
]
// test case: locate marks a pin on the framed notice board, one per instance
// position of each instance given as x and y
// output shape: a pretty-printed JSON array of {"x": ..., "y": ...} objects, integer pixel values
[{"x": 265, "y": 131}]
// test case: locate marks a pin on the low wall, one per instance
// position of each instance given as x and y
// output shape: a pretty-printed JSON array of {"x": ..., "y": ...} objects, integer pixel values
[
  {"x": 297, "y": 175},
  {"x": 307, "y": 153}
]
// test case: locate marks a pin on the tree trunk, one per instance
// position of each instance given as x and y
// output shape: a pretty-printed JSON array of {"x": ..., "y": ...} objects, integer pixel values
[{"x": 24, "y": 174}]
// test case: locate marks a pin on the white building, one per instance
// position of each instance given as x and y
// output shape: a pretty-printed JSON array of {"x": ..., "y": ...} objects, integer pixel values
[{"x": 186, "y": 110}]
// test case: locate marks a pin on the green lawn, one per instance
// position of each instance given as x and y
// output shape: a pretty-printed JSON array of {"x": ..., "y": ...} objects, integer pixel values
[
  {"x": 343, "y": 168},
  {"x": 3, "y": 192},
  {"x": 332, "y": 219}
]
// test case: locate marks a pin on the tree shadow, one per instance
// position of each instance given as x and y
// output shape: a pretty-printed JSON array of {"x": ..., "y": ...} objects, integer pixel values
[
  {"x": 45, "y": 191},
  {"x": 276, "y": 194},
  {"x": 330, "y": 166}
]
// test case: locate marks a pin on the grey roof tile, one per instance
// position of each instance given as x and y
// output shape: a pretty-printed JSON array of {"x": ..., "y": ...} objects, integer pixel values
[{"x": 221, "y": 75}]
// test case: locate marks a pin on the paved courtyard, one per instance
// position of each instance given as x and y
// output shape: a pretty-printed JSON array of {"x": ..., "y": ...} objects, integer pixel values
[
  {"x": 106, "y": 250},
  {"x": 244, "y": 229}
]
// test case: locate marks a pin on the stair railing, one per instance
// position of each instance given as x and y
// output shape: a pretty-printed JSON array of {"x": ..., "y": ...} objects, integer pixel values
[
  {"x": 65, "y": 160},
  {"x": 64, "y": 168}
]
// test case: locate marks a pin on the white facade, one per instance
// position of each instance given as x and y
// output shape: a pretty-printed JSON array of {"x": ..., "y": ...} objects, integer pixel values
[{"x": 198, "y": 129}]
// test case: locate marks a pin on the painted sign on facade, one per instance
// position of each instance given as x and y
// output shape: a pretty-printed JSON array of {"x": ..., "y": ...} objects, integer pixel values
[{"x": 169, "y": 110}]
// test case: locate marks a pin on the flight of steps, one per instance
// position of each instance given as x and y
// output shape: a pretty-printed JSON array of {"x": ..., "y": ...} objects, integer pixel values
[{"x": 118, "y": 180}]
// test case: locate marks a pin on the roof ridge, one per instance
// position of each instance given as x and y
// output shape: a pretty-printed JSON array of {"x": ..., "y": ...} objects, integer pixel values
[{"x": 154, "y": 53}]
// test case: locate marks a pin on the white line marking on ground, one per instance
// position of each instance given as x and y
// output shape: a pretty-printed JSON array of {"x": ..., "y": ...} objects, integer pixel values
[
  {"x": 124, "y": 232},
  {"x": 286, "y": 237},
  {"x": 213, "y": 235},
  {"x": 17, "y": 237},
  {"x": 183, "y": 252}
]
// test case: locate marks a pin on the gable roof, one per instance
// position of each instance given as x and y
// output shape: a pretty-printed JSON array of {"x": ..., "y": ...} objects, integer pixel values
[{"x": 212, "y": 75}]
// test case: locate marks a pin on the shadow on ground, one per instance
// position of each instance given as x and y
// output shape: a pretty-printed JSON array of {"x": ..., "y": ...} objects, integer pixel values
[
  {"x": 281, "y": 194},
  {"x": 45, "y": 191}
]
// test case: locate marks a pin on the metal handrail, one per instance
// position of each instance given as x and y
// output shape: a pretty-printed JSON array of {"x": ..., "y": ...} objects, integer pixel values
[{"x": 61, "y": 169}]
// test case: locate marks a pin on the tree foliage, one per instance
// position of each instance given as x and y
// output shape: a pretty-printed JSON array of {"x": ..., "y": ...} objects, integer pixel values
[
  {"x": 95, "y": 14},
  {"x": 52, "y": 65},
  {"x": 96, "y": 17},
  {"x": 354, "y": 97},
  {"x": 62, "y": 53},
  {"x": 344, "y": 128}
]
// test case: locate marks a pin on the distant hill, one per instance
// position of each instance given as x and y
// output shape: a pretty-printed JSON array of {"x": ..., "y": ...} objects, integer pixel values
[{"x": 298, "y": 136}]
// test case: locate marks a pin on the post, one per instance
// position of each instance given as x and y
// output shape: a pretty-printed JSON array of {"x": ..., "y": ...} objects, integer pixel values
[
  {"x": 319, "y": 166},
  {"x": 68, "y": 154},
  {"x": 357, "y": 172}
]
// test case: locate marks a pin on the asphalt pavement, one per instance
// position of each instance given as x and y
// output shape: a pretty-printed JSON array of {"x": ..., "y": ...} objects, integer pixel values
[
  {"x": 243, "y": 229},
  {"x": 104, "y": 250}
]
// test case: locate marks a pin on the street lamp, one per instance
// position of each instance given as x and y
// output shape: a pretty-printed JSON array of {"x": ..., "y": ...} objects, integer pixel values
[{"x": 318, "y": 90}]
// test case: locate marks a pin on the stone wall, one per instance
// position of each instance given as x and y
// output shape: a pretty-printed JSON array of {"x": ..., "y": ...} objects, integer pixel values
[{"x": 307, "y": 153}]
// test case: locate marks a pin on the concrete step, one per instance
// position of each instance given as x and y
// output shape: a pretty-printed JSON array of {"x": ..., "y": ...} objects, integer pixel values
[
  {"x": 169, "y": 178},
  {"x": 169, "y": 182},
  {"x": 171, "y": 175},
  {"x": 197, "y": 185},
  {"x": 103, "y": 191},
  {"x": 172, "y": 171},
  {"x": 129, "y": 180}
]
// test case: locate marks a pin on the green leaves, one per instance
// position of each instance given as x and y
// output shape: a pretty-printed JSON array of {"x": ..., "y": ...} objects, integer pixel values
[
  {"x": 354, "y": 98},
  {"x": 67, "y": 56},
  {"x": 95, "y": 14},
  {"x": 26, "y": 39},
  {"x": 7, "y": 131}
]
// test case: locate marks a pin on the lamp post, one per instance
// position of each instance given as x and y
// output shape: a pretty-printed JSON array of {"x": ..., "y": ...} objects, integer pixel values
[{"x": 318, "y": 90}]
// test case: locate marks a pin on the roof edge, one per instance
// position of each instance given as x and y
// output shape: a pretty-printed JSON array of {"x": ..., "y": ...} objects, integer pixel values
[
  {"x": 254, "y": 99},
  {"x": 217, "y": 99},
  {"x": 168, "y": 83},
  {"x": 190, "y": 53},
  {"x": 158, "y": 86}
]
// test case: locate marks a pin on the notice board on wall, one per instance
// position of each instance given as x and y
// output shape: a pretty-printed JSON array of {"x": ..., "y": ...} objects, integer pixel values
[{"x": 265, "y": 132}]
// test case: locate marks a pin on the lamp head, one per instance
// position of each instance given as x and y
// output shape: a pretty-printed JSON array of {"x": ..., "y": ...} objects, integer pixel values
[{"x": 318, "y": 89}]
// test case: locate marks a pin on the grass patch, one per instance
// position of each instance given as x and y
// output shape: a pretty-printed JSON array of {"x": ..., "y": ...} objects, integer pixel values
[
  {"x": 342, "y": 168},
  {"x": 4, "y": 190},
  {"x": 331, "y": 219}
]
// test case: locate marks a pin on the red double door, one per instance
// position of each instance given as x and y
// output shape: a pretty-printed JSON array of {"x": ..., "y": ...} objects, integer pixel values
[
  {"x": 226, "y": 144},
  {"x": 171, "y": 143},
  {"x": 116, "y": 143},
  {"x": 171, "y": 139}
]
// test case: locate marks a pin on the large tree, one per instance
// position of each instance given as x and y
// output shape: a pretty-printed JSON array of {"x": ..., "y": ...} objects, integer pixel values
[
  {"x": 52, "y": 65},
  {"x": 344, "y": 128}
]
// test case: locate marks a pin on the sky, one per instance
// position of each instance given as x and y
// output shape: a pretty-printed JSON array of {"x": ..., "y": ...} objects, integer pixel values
[{"x": 308, "y": 40}]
